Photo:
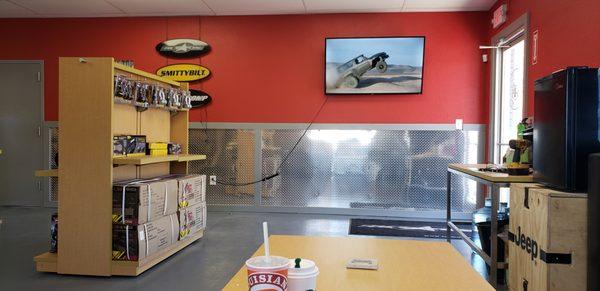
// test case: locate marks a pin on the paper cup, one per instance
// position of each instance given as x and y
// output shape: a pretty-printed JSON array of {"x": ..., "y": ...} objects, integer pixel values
[
  {"x": 268, "y": 274},
  {"x": 303, "y": 278}
]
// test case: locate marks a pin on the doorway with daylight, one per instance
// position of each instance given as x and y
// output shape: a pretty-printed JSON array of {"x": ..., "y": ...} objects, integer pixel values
[{"x": 508, "y": 88}]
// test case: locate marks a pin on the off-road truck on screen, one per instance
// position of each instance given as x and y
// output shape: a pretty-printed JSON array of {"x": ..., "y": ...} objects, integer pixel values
[{"x": 350, "y": 72}]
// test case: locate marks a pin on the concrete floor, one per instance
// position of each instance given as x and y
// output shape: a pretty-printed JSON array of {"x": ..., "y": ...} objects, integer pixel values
[{"x": 207, "y": 264}]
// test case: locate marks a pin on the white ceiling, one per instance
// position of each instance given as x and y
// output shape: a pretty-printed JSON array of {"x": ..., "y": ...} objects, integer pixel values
[{"x": 106, "y": 8}]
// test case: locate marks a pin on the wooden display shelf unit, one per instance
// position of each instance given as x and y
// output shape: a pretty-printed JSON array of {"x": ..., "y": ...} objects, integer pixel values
[
  {"x": 89, "y": 119},
  {"x": 47, "y": 262}
]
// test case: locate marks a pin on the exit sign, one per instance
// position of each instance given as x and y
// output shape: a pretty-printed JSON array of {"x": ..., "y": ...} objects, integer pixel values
[{"x": 499, "y": 16}]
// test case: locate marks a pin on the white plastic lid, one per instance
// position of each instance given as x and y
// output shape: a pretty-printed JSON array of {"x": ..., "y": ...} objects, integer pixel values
[
  {"x": 307, "y": 268},
  {"x": 264, "y": 263}
]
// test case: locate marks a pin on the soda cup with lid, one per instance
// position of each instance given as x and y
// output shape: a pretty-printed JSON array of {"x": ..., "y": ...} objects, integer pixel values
[{"x": 267, "y": 273}]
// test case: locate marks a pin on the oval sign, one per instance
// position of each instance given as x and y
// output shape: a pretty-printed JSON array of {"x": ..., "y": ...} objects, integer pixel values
[
  {"x": 199, "y": 98},
  {"x": 182, "y": 48},
  {"x": 183, "y": 72}
]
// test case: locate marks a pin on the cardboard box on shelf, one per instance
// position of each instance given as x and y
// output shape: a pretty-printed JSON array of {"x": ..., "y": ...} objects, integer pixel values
[
  {"x": 157, "y": 152},
  {"x": 136, "y": 242},
  {"x": 119, "y": 145},
  {"x": 157, "y": 149},
  {"x": 191, "y": 189},
  {"x": 136, "y": 145},
  {"x": 192, "y": 219},
  {"x": 139, "y": 201}
]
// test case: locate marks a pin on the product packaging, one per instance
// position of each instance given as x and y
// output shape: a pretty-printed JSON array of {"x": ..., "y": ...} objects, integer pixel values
[
  {"x": 142, "y": 94},
  {"x": 192, "y": 219},
  {"x": 139, "y": 201},
  {"x": 54, "y": 233},
  {"x": 136, "y": 145},
  {"x": 191, "y": 189},
  {"x": 157, "y": 152},
  {"x": 157, "y": 149},
  {"x": 125, "y": 88},
  {"x": 118, "y": 85},
  {"x": 174, "y": 149},
  {"x": 136, "y": 242},
  {"x": 119, "y": 145}
]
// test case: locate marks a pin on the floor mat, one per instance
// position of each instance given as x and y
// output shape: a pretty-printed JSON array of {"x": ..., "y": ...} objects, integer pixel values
[{"x": 404, "y": 228}]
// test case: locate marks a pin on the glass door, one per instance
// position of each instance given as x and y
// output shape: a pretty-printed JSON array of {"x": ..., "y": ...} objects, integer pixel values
[{"x": 509, "y": 93}]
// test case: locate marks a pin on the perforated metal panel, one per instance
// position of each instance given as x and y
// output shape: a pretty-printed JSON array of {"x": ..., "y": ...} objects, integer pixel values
[
  {"x": 230, "y": 156},
  {"x": 53, "y": 147},
  {"x": 53, "y": 189},
  {"x": 394, "y": 169},
  {"x": 53, "y": 163}
]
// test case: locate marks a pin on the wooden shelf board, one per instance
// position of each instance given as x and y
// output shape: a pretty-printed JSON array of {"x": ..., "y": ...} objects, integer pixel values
[
  {"x": 145, "y": 74},
  {"x": 47, "y": 262},
  {"x": 187, "y": 158},
  {"x": 128, "y": 268},
  {"x": 145, "y": 160},
  {"x": 472, "y": 169},
  {"x": 47, "y": 173},
  {"x": 121, "y": 100}
]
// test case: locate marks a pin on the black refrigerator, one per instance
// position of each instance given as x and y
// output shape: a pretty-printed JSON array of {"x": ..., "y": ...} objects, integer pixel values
[{"x": 566, "y": 127}]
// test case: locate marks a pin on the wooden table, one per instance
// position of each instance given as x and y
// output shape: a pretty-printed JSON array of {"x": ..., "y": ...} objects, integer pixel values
[
  {"x": 403, "y": 264},
  {"x": 495, "y": 181}
]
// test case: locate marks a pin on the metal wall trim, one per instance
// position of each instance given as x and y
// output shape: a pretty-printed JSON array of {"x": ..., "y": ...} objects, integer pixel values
[
  {"x": 363, "y": 126},
  {"x": 397, "y": 214}
]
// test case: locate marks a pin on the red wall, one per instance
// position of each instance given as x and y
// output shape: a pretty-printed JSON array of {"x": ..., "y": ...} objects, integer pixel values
[
  {"x": 270, "y": 68},
  {"x": 569, "y": 34}
]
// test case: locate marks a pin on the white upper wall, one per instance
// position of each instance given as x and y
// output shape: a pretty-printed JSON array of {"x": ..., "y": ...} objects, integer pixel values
[{"x": 120, "y": 8}]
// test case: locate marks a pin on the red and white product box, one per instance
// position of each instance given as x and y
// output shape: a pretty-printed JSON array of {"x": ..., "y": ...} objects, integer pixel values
[
  {"x": 192, "y": 219},
  {"x": 191, "y": 190}
]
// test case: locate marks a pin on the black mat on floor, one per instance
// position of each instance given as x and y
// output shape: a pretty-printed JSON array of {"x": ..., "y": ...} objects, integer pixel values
[{"x": 404, "y": 228}]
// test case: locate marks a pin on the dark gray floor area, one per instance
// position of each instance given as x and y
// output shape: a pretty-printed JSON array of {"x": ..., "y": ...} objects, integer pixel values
[{"x": 207, "y": 264}]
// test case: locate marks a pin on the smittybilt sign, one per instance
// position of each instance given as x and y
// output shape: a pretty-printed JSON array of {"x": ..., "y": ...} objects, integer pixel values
[{"x": 183, "y": 72}]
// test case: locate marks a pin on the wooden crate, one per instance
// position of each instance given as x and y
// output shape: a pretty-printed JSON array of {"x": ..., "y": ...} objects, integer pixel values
[{"x": 547, "y": 239}]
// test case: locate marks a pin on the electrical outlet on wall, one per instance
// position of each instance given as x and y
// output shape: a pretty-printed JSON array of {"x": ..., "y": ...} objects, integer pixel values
[
  {"x": 212, "y": 180},
  {"x": 459, "y": 124}
]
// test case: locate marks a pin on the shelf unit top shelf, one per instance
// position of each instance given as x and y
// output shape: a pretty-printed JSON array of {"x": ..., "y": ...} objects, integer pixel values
[
  {"x": 145, "y": 74},
  {"x": 145, "y": 160}
]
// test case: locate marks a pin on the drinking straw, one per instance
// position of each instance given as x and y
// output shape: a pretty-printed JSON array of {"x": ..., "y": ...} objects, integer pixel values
[{"x": 266, "y": 241}]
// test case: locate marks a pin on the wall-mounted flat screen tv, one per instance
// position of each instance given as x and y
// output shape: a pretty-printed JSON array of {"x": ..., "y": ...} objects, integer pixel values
[{"x": 374, "y": 65}]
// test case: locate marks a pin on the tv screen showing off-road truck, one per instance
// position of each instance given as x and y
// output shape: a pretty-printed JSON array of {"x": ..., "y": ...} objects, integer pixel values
[{"x": 374, "y": 65}]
